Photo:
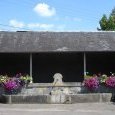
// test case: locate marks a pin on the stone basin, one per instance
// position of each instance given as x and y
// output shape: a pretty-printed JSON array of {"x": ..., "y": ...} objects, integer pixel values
[
  {"x": 56, "y": 99},
  {"x": 40, "y": 93},
  {"x": 69, "y": 93}
]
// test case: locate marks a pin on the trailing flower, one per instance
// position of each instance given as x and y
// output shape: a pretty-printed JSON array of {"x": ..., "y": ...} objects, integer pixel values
[
  {"x": 12, "y": 85},
  {"x": 110, "y": 82},
  {"x": 91, "y": 83}
]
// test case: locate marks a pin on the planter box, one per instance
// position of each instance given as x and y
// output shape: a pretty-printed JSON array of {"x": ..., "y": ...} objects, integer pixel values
[{"x": 101, "y": 89}]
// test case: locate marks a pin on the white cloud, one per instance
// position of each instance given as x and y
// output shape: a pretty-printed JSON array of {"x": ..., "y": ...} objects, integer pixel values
[
  {"x": 41, "y": 26},
  {"x": 46, "y": 27},
  {"x": 36, "y": 26},
  {"x": 16, "y": 23},
  {"x": 44, "y": 10}
]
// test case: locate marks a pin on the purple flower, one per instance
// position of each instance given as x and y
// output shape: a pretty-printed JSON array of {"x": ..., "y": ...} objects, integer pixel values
[
  {"x": 91, "y": 83},
  {"x": 18, "y": 75},
  {"x": 11, "y": 85},
  {"x": 110, "y": 82}
]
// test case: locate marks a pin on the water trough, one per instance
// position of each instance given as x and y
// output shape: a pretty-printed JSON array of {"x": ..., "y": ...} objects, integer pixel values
[{"x": 57, "y": 92}]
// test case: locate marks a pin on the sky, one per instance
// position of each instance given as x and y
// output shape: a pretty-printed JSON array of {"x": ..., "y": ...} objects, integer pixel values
[{"x": 53, "y": 15}]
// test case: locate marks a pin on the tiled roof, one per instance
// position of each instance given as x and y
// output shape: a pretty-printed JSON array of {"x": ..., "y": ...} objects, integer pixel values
[{"x": 56, "y": 41}]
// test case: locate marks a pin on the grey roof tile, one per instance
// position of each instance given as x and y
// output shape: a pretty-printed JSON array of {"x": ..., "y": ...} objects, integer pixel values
[{"x": 56, "y": 41}]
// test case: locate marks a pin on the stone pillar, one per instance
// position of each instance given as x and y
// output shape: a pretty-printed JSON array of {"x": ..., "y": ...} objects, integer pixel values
[
  {"x": 31, "y": 65},
  {"x": 84, "y": 56}
]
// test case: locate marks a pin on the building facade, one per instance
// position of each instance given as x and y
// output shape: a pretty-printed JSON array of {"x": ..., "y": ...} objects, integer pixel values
[{"x": 42, "y": 54}]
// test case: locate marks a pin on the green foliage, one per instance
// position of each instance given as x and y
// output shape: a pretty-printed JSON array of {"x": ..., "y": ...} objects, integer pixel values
[
  {"x": 87, "y": 76},
  {"x": 103, "y": 78},
  {"x": 103, "y": 22},
  {"x": 26, "y": 78},
  {"x": 113, "y": 12},
  {"x": 111, "y": 23},
  {"x": 3, "y": 78},
  {"x": 108, "y": 24}
]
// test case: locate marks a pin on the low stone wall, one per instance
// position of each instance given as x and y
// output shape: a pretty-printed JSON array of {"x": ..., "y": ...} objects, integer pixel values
[
  {"x": 65, "y": 84},
  {"x": 94, "y": 97},
  {"x": 56, "y": 99}
]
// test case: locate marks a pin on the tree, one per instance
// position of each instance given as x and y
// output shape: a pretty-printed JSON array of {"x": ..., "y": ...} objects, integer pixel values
[
  {"x": 111, "y": 23},
  {"x": 113, "y": 12},
  {"x": 108, "y": 24},
  {"x": 103, "y": 22}
]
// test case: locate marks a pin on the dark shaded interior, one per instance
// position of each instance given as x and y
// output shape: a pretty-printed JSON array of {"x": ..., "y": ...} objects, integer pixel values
[
  {"x": 45, "y": 65},
  {"x": 11, "y": 64},
  {"x": 100, "y": 63}
]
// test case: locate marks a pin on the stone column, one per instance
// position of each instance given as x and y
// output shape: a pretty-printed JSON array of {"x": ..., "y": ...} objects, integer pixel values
[
  {"x": 84, "y": 56},
  {"x": 31, "y": 64}
]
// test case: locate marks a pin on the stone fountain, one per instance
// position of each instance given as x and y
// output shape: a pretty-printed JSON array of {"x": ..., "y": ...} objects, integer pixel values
[{"x": 58, "y": 92}]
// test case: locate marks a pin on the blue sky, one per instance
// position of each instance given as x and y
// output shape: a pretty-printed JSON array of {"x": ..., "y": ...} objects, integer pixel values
[{"x": 53, "y": 15}]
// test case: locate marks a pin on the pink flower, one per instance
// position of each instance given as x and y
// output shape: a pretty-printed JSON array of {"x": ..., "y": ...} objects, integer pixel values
[
  {"x": 91, "y": 83},
  {"x": 10, "y": 85},
  {"x": 110, "y": 82}
]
